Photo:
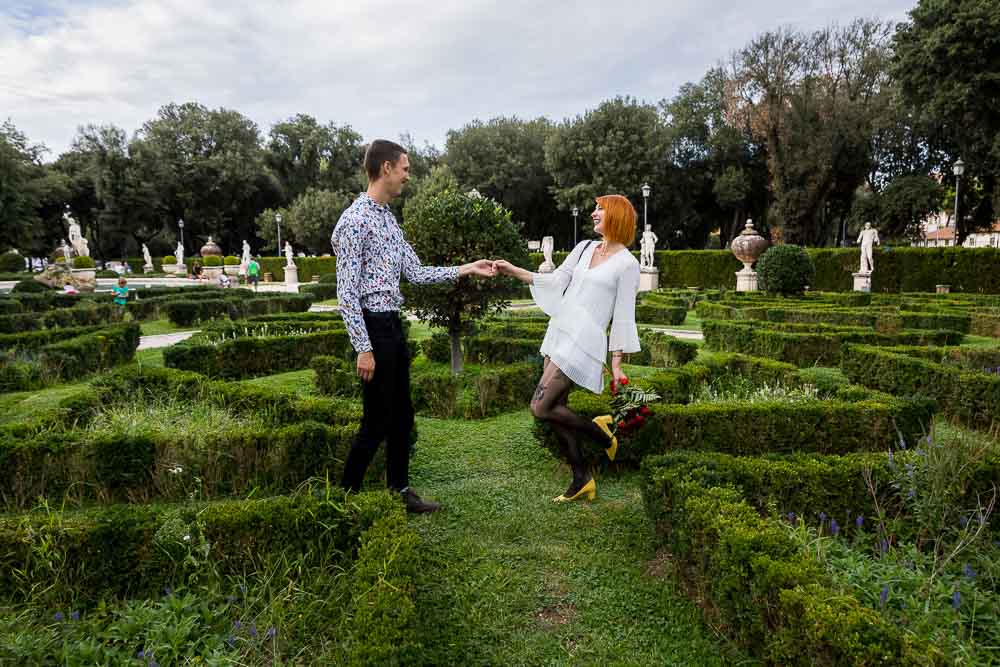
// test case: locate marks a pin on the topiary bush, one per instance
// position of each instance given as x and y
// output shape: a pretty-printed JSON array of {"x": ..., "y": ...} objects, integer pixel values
[
  {"x": 785, "y": 269},
  {"x": 231, "y": 260},
  {"x": 11, "y": 262},
  {"x": 213, "y": 260},
  {"x": 26, "y": 286},
  {"x": 169, "y": 259},
  {"x": 83, "y": 263}
]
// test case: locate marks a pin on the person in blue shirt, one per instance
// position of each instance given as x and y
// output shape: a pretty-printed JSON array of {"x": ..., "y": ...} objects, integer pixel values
[{"x": 121, "y": 292}]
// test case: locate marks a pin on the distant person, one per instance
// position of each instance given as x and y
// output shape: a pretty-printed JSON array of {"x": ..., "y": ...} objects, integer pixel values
[
  {"x": 70, "y": 288},
  {"x": 253, "y": 272},
  {"x": 224, "y": 281},
  {"x": 121, "y": 292},
  {"x": 196, "y": 269}
]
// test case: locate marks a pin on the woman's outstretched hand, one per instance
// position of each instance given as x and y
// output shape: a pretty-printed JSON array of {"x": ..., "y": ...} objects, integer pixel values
[{"x": 502, "y": 266}]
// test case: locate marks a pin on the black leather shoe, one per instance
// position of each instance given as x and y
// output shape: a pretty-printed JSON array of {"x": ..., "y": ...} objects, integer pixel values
[{"x": 416, "y": 505}]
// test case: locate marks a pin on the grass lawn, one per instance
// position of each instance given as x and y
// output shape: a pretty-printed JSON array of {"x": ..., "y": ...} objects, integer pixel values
[
  {"x": 511, "y": 578},
  {"x": 158, "y": 327},
  {"x": 980, "y": 341},
  {"x": 327, "y": 302},
  {"x": 301, "y": 382},
  {"x": 152, "y": 357},
  {"x": 25, "y": 405}
]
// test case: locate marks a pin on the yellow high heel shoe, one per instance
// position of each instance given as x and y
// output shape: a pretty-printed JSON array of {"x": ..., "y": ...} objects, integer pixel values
[
  {"x": 604, "y": 422},
  {"x": 589, "y": 491}
]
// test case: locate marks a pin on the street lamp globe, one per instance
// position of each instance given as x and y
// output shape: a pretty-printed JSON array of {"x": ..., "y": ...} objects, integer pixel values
[
  {"x": 646, "y": 190},
  {"x": 959, "y": 168},
  {"x": 576, "y": 212}
]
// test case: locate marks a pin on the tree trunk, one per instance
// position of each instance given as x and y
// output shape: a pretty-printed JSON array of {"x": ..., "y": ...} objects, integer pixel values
[{"x": 456, "y": 351}]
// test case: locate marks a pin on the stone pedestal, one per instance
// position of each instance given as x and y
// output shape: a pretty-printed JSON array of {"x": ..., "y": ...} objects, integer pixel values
[
  {"x": 746, "y": 280},
  {"x": 181, "y": 270},
  {"x": 649, "y": 279},
  {"x": 211, "y": 272},
  {"x": 148, "y": 268},
  {"x": 232, "y": 270},
  {"x": 547, "y": 267},
  {"x": 862, "y": 281},
  {"x": 291, "y": 275},
  {"x": 943, "y": 289},
  {"x": 85, "y": 280}
]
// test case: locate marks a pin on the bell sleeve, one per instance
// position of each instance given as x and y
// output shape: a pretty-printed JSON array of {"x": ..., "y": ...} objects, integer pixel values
[
  {"x": 547, "y": 288},
  {"x": 624, "y": 332}
]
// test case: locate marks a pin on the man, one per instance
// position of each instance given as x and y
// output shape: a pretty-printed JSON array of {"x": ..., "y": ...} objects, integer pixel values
[
  {"x": 371, "y": 254},
  {"x": 253, "y": 272}
]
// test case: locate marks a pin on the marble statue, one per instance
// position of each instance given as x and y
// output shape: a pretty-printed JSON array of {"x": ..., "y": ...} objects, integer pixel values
[
  {"x": 548, "y": 245},
  {"x": 648, "y": 247},
  {"x": 147, "y": 259},
  {"x": 67, "y": 254},
  {"x": 288, "y": 254},
  {"x": 180, "y": 253},
  {"x": 76, "y": 239},
  {"x": 867, "y": 239}
]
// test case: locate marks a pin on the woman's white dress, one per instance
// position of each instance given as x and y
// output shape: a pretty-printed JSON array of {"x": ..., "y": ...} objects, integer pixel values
[{"x": 581, "y": 302}]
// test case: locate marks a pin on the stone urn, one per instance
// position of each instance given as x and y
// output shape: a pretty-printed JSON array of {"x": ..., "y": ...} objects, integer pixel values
[
  {"x": 211, "y": 248},
  {"x": 747, "y": 247}
]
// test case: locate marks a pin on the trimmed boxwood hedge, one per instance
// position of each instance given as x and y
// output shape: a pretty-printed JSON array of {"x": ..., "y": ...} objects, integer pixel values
[
  {"x": 896, "y": 270},
  {"x": 752, "y": 578},
  {"x": 76, "y": 467},
  {"x": 187, "y": 312},
  {"x": 84, "y": 313},
  {"x": 837, "y": 426},
  {"x": 651, "y": 312},
  {"x": 808, "y": 345},
  {"x": 971, "y": 397},
  {"x": 662, "y": 350},
  {"x": 476, "y": 393}
]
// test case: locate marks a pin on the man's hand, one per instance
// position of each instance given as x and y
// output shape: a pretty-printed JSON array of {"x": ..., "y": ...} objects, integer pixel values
[
  {"x": 366, "y": 366},
  {"x": 482, "y": 267}
]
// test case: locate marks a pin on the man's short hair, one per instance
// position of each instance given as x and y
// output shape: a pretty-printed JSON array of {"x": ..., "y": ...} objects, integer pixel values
[{"x": 379, "y": 152}]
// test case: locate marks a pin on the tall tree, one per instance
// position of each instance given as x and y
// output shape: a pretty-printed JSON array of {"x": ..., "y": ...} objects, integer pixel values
[
  {"x": 303, "y": 154},
  {"x": 209, "y": 170},
  {"x": 614, "y": 148},
  {"x": 812, "y": 99},
  {"x": 504, "y": 159},
  {"x": 308, "y": 223},
  {"x": 947, "y": 62}
]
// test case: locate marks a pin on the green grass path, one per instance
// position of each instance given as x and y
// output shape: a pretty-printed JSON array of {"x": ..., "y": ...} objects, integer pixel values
[{"x": 511, "y": 578}]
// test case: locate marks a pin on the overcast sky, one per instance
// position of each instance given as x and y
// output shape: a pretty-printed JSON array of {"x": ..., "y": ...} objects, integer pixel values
[{"x": 382, "y": 66}]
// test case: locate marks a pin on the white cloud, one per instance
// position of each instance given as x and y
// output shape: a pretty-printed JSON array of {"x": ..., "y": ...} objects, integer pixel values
[{"x": 384, "y": 67}]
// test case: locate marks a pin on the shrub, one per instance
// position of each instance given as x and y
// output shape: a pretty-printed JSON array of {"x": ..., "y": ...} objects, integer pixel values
[
  {"x": 106, "y": 274},
  {"x": 329, "y": 278},
  {"x": 82, "y": 262},
  {"x": 651, "y": 312},
  {"x": 437, "y": 348},
  {"x": 971, "y": 397},
  {"x": 486, "y": 349},
  {"x": 663, "y": 350},
  {"x": 474, "y": 393},
  {"x": 169, "y": 259},
  {"x": 785, "y": 269},
  {"x": 11, "y": 262},
  {"x": 213, "y": 260},
  {"x": 29, "y": 286},
  {"x": 321, "y": 291},
  {"x": 231, "y": 260},
  {"x": 335, "y": 376},
  {"x": 754, "y": 579}
]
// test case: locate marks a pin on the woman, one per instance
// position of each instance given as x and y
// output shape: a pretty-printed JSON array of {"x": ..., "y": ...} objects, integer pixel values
[{"x": 595, "y": 286}]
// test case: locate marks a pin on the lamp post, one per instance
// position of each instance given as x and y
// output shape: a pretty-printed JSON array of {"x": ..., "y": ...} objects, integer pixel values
[
  {"x": 180, "y": 226},
  {"x": 576, "y": 212},
  {"x": 645, "y": 204},
  {"x": 277, "y": 219},
  {"x": 958, "y": 169}
]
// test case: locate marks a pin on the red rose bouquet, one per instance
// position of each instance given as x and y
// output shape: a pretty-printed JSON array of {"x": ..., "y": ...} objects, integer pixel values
[{"x": 630, "y": 409}]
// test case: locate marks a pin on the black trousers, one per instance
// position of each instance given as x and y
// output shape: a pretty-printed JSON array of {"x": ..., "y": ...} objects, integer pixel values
[{"x": 388, "y": 409}]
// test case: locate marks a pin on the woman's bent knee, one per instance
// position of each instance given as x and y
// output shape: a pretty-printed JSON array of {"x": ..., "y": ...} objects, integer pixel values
[{"x": 538, "y": 410}]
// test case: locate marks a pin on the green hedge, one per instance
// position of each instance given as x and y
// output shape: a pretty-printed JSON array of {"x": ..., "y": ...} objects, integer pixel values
[
  {"x": 188, "y": 312},
  {"x": 896, "y": 269},
  {"x": 335, "y": 376},
  {"x": 851, "y": 422},
  {"x": 32, "y": 340},
  {"x": 663, "y": 350},
  {"x": 255, "y": 356},
  {"x": 308, "y": 267},
  {"x": 91, "y": 350},
  {"x": 83, "y": 314},
  {"x": 76, "y": 467},
  {"x": 476, "y": 393},
  {"x": 320, "y": 291},
  {"x": 138, "y": 550},
  {"x": 985, "y": 324},
  {"x": 808, "y": 345},
  {"x": 488, "y": 349},
  {"x": 751, "y": 577},
  {"x": 971, "y": 397},
  {"x": 651, "y": 312}
]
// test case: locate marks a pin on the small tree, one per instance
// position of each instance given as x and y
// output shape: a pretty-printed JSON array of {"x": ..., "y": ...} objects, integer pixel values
[
  {"x": 451, "y": 228},
  {"x": 785, "y": 269}
]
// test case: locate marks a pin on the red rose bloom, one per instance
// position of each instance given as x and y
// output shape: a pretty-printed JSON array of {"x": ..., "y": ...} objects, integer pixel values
[
  {"x": 621, "y": 425},
  {"x": 644, "y": 411},
  {"x": 624, "y": 381},
  {"x": 639, "y": 421}
]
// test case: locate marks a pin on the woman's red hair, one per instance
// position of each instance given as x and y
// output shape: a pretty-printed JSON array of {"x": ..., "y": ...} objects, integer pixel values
[{"x": 619, "y": 219}]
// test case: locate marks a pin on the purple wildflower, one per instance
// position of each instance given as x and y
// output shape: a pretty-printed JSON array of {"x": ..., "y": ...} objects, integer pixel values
[
  {"x": 891, "y": 460},
  {"x": 968, "y": 571},
  {"x": 834, "y": 527},
  {"x": 884, "y": 547},
  {"x": 231, "y": 641},
  {"x": 153, "y": 663},
  {"x": 167, "y": 590},
  {"x": 140, "y": 654},
  {"x": 253, "y": 630},
  {"x": 791, "y": 518},
  {"x": 883, "y": 597},
  {"x": 902, "y": 442},
  {"x": 59, "y": 617},
  {"x": 911, "y": 494},
  {"x": 859, "y": 521},
  {"x": 822, "y": 517},
  {"x": 237, "y": 624},
  {"x": 74, "y": 616},
  {"x": 956, "y": 600},
  {"x": 963, "y": 522}
]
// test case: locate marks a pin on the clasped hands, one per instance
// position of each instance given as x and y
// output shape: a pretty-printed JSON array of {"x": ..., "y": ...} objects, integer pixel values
[{"x": 487, "y": 268}]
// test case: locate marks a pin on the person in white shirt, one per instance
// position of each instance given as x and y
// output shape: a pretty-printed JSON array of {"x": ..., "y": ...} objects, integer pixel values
[{"x": 595, "y": 286}]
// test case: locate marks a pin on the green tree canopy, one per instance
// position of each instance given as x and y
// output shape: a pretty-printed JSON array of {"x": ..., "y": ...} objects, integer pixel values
[{"x": 453, "y": 228}]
